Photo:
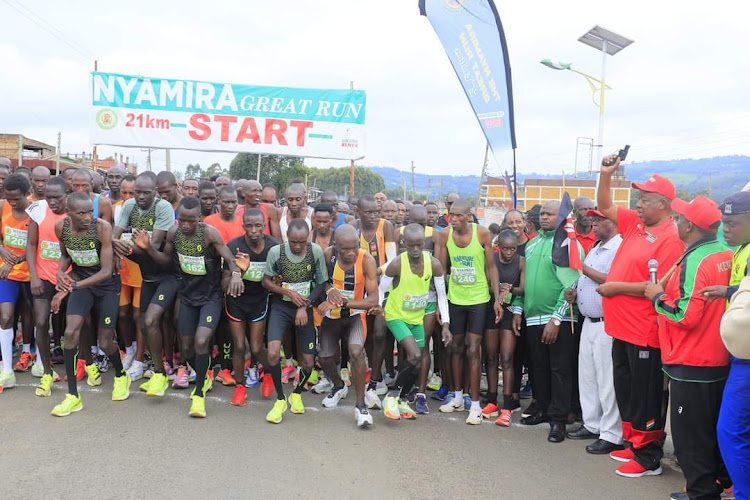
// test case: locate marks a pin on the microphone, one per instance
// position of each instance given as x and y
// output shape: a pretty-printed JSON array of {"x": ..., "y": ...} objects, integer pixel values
[{"x": 653, "y": 265}]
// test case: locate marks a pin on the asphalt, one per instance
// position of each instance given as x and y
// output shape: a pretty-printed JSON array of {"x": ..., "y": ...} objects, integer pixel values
[{"x": 149, "y": 448}]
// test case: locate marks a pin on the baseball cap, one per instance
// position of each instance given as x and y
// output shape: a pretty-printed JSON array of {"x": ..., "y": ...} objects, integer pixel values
[
  {"x": 657, "y": 184},
  {"x": 702, "y": 211},
  {"x": 737, "y": 203},
  {"x": 595, "y": 213}
]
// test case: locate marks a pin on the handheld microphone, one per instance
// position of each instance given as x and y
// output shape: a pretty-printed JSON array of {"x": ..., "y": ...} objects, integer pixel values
[{"x": 653, "y": 265}]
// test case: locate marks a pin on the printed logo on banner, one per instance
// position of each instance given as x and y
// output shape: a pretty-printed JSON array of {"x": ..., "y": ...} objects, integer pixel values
[
  {"x": 106, "y": 119},
  {"x": 453, "y": 4}
]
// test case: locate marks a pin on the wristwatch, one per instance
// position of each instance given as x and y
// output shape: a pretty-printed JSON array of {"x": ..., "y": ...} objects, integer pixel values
[
  {"x": 556, "y": 322},
  {"x": 343, "y": 304},
  {"x": 73, "y": 285},
  {"x": 236, "y": 274}
]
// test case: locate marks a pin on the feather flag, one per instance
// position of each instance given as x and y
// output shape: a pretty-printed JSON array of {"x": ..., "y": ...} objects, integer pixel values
[{"x": 565, "y": 251}]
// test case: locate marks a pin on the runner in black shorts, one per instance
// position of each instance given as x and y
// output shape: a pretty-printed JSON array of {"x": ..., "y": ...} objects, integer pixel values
[
  {"x": 301, "y": 266},
  {"x": 247, "y": 312},
  {"x": 196, "y": 249},
  {"x": 86, "y": 244},
  {"x": 160, "y": 283}
]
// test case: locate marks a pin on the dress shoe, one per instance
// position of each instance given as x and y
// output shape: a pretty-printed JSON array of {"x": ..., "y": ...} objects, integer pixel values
[
  {"x": 602, "y": 447},
  {"x": 581, "y": 433},
  {"x": 535, "y": 419},
  {"x": 556, "y": 432}
]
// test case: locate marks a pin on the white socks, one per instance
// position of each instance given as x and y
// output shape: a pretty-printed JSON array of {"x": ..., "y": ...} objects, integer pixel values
[
  {"x": 27, "y": 348},
  {"x": 458, "y": 395},
  {"x": 475, "y": 406},
  {"x": 130, "y": 349},
  {"x": 6, "y": 348}
]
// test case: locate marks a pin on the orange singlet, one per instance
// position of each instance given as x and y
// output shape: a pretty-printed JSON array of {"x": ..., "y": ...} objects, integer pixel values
[
  {"x": 228, "y": 230},
  {"x": 15, "y": 239}
]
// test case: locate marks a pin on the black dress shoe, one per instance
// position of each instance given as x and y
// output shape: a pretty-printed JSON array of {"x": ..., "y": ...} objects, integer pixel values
[
  {"x": 581, "y": 433},
  {"x": 602, "y": 447},
  {"x": 556, "y": 432},
  {"x": 536, "y": 419}
]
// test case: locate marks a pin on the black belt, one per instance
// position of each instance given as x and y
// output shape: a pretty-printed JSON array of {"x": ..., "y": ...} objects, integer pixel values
[{"x": 596, "y": 320}]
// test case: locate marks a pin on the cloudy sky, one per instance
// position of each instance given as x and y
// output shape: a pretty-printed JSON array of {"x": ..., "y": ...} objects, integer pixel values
[{"x": 680, "y": 91}]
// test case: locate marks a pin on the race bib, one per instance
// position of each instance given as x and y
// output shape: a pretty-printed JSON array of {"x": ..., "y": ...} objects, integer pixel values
[
  {"x": 255, "y": 272},
  {"x": 50, "y": 250},
  {"x": 415, "y": 302},
  {"x": 126, "y": 236},
  {"x": 347, "y": 294},
  {"x": 84, "y": 258},
  {"x": 192, "y": 265},
  {"x": 301, "y": 288},
  {"x": 463, "y": 276},
  {"x": 14, "y": 237}
]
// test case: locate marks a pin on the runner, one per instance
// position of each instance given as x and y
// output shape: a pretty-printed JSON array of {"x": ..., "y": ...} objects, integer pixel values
[
  {"x": 432, "y": 215},
  {"x": 269, "y": 195},
  {"x": 353, "y": 291},
  {"x": 409, "y": 279},
  {"x": 388, "y": 211},
  {"x": 296, "y": 208},
  {"x": 82, "y": 181},
  {"x": 190, "y": 187},
  {"x": 114, "y": 179},
  {"x": 86, "y": 244},
  {"x": 247, "y": 312},
  {"x": 467, "y": 247},
  {"x": 196, "y": 249},
  {"x": 301, "y": 266},
  {"x": 43, "y": 256},
  {"x": 39, "y": 180},
  {"x": 166, "y": 188},
  {"x": 207, "y": 196},
  {"x": 323, "y": 227},
  {"x": 338, "y": 218},
  {"x": 160, "y": 283},
  {"x": 252, "y": 193}
]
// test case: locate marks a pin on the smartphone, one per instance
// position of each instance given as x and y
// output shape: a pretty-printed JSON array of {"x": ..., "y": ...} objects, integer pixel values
[{"x": 622, "y": 154}]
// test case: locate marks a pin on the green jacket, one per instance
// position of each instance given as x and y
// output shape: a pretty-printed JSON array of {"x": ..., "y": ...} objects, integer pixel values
[{"x": 544, "y": 290}]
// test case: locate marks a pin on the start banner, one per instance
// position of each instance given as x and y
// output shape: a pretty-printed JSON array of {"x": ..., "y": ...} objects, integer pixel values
[{"x": 152, "y": 112}]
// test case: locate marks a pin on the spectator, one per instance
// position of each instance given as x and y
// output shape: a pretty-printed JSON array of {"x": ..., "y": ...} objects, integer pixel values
[
  {"x": 584, "y": 234},
  {"x": 532, "y": 221}
]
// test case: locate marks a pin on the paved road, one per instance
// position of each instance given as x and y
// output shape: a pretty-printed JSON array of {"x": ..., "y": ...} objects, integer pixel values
[{"x": 146, "y": 447}]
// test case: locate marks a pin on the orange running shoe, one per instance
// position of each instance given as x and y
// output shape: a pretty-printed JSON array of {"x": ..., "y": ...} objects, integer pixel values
[
  {"x": 490, "y": 410},
  {"x": 266, "y": 386},
  {"x": 225, "y": 377},
  {"x": 239, "y": 396},
  {"x": 625, "y": 455},
  {"x": 24, "y": 362},
  {"x": 504, "y": 419},
  {"x": 80, "y": 369},
  {"x": 286, "y": 372}
]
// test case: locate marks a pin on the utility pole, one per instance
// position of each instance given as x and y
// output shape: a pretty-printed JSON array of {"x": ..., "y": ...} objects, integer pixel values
[
  {"x": 57, "y": 156},
  {"x": 148, "y": 160},
  {"x": 169, "y": 161},
  {"x": 257, "y": 175},
  {"x": 441, "y": 190},
  {"x": 429, "y": 188},
  {"x": 404, "y": 190},
  {"x": 351, "y": 164},
  {"x": 413, "y": 197},
  {"x": 484, "y": 170}
]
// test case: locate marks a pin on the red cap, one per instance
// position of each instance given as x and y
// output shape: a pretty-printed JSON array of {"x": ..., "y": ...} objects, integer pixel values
[
  {"x": 595, "y": 213},
  {"x": 657, "y": 184},
  {"x": 702, "y": 212}
]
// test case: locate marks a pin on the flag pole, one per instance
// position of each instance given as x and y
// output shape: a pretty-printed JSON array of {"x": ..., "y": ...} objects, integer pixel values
[{"x": 515, "y": 182}]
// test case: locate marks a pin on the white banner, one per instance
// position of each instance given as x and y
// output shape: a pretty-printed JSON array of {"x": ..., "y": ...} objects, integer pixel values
[{"x": 140, "y": 111}]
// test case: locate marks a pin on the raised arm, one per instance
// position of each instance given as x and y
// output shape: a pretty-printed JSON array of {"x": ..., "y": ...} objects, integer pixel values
[{"x": 604, "y": 191}]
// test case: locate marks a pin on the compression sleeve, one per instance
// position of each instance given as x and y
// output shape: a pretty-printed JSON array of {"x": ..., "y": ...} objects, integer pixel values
[
  {"x": 442, "y": 299},
  {"x": 385, "y": 284},
  {"x": 390, "y": 251}
]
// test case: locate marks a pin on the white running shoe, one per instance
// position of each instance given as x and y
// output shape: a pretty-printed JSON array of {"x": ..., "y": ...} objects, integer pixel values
[
  {"x": 37, "y": 370},
  {"x": 363, "y": 416},
  {"x": 475, "y": 417},
  {"x": 323, "y": 386},
  {"x": 372, "y": 400},
  {"x": 454, "y": 404},
  {"x": 336, "y": 395},
  {"x": 127, "y": 361},
  {"x": 382, "y": 388},
  {"x": 135, "y": 371},
  {"x": 483, "y": 384},
  {"x": 388, "y": 380}
]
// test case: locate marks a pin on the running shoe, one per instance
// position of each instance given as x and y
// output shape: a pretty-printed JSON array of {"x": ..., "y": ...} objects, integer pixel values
[
  {"x": 435, "y": 383},
  {"x": 158, "y": 384},
  {"x": 7, "y": 379},
  {"x": 412, "y": 396},
  {"x": 420, "y": 404},
  {"x": 381, "y": 388},
  {"x": 526, "y": 388},
  {"x": 313, "y": 379},
  {"x": 148, "y": 372},
  {"x": 101, "y": 361},
  {"x": 287, "y": 372},
  {"x": 634, "y": 469},
  {"x": 24, "y": 362},
  {"x": 372, "y": 400},
  {"x": 388, "y": 380},
  {"x": 530, "y": 410},
  {"x": 136, "y": 371},
  {"x": 170, "y": 370},
  {"x": 198, "y": 406},
  {"x": 94, "y": 377},
  {"x": 728, "y": 493},
  {"x": 208, "y": 382},
  {"x": 57, "y": 356},
  {"x": 127, "y": 360},
  {"x": 624, "y": 455},
  {"x": 483, "y": 386},
  {"x": 56, "y": 376},
  {"x": 475, "y": 417},
  {"x": 515, "y": 405},
  {"x": 225, "y": 377},
  {"x": 467, "y": 401},
  {"x": 181, "y": 379},
  {"x": 363, "y": 416},
  {"x": 37, "y": 370},
  {"x": 240, "y": 396},
  {"x": 121, "y": 388},
  {"x": 69, "y": 405},
  {"x": 452, "y": 405},
  {"x": 295, "y": 403},
  {"x": 490, "y": 410},
  {"x": 267, "y": 387},
  {"x": 325, "y": 385},
  {"x": 44, "y": 389},
  {"x": 191, "y": 374},
  {"x": 251, "y": 377},
  {"x": 391, "y": 408},
  {"x": 504, "y": 419},
  {"x": 405, "y": 410},
  {"x": 80, "y": 369},
  {"x": 336, "y": 395},
  {"x": 346, "y": 377},
  {"x": 441, "y": 394},
  {"x": 279, "y": 407}
]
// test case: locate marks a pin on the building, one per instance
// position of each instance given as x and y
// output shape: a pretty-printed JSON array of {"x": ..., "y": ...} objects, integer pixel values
[
  {"x": 536, "y": 191},
  {"x": 16, "y": 146}
]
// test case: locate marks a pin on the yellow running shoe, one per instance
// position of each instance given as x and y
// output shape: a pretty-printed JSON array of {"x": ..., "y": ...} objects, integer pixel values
[
  {"x": 121, "y": 389},
  {"x": 94, "y": 377},
  {"x": 198, "y": 406},
  {"x": 295, "y": 401},
  {"x": 69, "y": 405},
  {"x": 158, "y": 385},
  {"x": 391, "y": 408},
  {"x": 44, "y": 389},
  {"x": 145, "y": 385},
  {"x": 313, "y": 379},
  {"x": 279, "y": 407}
]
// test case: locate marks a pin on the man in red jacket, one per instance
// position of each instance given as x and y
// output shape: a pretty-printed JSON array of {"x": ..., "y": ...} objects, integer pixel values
[
  {"x": 648, "y": 232},
  {"x": 693, "y": 355}
]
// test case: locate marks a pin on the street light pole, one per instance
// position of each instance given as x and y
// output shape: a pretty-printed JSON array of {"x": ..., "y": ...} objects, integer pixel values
[
  {"x": 257, "y": 175},
  {"x": 602, "y": 86}
]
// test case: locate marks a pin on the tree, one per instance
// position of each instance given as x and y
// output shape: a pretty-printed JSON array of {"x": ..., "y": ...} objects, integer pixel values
[
  {"x": 194, "y": 172},
  {"x": 277, "y": 170},
  {"x": 215, "y": 169},
  {"x": 337, "y": 180}
]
